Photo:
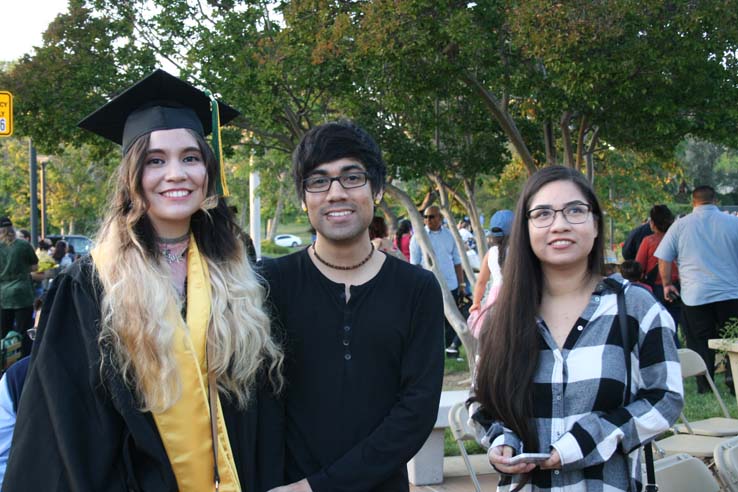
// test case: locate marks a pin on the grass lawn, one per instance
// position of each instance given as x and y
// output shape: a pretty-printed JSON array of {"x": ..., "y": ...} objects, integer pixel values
[{"x": 697, "y": 406}]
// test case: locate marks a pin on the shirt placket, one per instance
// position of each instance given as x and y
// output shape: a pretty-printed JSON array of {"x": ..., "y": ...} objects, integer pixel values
[
  {"x": 347, "y": 331},
  {"x": 558, "y": 423}
]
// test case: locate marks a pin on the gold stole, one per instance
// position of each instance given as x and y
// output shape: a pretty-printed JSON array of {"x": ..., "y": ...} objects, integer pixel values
[{"x": 185, "y": 427}]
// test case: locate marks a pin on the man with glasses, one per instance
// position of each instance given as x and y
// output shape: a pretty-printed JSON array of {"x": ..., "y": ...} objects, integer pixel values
[
  {"x": 449, "y": 262},
  {"x": 362, "y": 330}
]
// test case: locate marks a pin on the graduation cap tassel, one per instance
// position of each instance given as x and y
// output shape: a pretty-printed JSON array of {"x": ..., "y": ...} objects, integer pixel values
[{"x": 221, "y": 186}]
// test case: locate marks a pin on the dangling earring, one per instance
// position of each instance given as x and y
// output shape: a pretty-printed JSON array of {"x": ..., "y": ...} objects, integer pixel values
[{"x": 304, "y": 207}]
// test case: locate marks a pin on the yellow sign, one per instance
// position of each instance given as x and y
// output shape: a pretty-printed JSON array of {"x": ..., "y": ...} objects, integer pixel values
[{"x": 6, "y": 114}]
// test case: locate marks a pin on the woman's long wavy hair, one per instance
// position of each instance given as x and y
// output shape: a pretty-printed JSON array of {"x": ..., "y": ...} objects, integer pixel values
[
  {"x": 509, "y": 343},
  {"x": 7, "y": 234},
  {"x": 136, "y": 338}
]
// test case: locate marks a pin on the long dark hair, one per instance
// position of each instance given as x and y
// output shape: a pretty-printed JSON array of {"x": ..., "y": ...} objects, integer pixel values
[
  {"x": 509, "y": 343},
  {"x": 402, "y": 228},
  {"x": 60, "y": 250},
  {"x": 501, "y": 243}
]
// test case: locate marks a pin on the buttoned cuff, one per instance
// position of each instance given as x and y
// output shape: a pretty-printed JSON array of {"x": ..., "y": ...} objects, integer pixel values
[{"x": 568, "y": 449}]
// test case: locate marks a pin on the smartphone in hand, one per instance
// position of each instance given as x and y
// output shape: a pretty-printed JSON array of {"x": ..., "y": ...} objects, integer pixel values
[{"x": 529, "y": 458}]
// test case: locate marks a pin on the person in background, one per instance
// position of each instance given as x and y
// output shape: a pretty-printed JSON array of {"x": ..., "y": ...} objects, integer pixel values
[
  {"x": 449, "y": 262},
  {"x": 467, "y": 236},
  {"x": 11, "y": 387},
  {"x": 154, "y": 364},
  {"x": 491, "y": 271},
  {"x": 634, "y": 239},
  {"x": 402, "y": 237},
  {"x": 660, "y": 221},
  {"x": 705, "y": 246},
  {"x": 378, "y": 237},
  {"x": 24, "y": 235},
  {"x": 632, "y": 271},
  {"x": 552, "y": 374},
  {"x": 17, "y": 262},
  {"x": 59, "y": 254}
]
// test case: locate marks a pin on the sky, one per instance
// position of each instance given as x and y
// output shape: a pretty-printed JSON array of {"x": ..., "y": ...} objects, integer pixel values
[{"x": 23, "y": 24}]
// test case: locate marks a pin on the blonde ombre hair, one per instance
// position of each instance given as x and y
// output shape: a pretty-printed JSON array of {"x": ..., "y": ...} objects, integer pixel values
[{"x": 138, "y": 296}]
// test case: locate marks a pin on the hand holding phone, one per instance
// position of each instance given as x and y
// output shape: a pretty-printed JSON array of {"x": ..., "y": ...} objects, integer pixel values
[{"x": 529, "y": 458}]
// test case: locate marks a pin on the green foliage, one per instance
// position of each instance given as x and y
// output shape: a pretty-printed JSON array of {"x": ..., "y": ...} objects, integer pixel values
[
  {"x": 269, "y": 248},
  {"x": 78, "y": 185},
  {"x": 85, "y": 58}
]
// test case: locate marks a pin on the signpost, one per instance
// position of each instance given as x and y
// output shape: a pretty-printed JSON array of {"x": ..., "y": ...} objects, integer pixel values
[{"x": 6, "y": 114}]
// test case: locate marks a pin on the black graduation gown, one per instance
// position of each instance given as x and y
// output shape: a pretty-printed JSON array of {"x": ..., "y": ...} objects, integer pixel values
[{"x": 78, "y": 430}]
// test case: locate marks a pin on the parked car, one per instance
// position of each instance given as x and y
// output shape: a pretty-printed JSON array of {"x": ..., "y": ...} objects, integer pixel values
[
  {"x": 81, "y": 244},
  {"x": 287, "y": 240}
]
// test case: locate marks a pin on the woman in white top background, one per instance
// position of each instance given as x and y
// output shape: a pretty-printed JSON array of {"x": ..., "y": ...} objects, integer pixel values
[{"x": 491, "y": 269}]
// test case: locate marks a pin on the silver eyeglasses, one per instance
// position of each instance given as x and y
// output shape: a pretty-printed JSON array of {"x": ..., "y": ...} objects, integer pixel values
[
  {"x": 575, "y": 213},
  {"x": 318, "y": 184}
]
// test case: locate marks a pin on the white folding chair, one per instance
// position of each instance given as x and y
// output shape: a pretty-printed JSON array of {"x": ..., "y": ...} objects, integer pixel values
[
  {"x": 684, "y": 473},
  {"x": 726, "y": 463},
  {"x": 457, "y": 420},
  {"x": 693, "y": 365}
]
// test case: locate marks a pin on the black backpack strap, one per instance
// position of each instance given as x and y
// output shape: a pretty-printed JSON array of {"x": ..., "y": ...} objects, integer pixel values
[
  {"x": 627, "y": 348},
  {"x": 650, "y": 277}
]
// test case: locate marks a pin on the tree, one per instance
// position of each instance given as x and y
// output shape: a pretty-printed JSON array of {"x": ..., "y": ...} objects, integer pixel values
[
  {"x": 570, "y": 75},
  {"x": 85, "y": 59}
]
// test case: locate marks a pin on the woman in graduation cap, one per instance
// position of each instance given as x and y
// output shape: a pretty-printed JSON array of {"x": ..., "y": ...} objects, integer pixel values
[{"x": 164, "y": 324}]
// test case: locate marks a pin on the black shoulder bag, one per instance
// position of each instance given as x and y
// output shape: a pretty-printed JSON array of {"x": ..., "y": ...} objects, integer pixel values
[{"x": 623, "y": 322}]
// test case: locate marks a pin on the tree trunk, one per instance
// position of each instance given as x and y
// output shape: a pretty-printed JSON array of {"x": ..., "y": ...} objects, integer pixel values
[
  {"x": 474, "y": 216},
  {"x": 451, "y": 220},
  {"x": 389, "y": 216},
  {"x": 503, "y": 119},
  {"x": 428, "y": 200},
  {"x": 580, "y": 143},
  {"x": 566, "y": 139},
  {"x": 453, "y": 315},
  {"x": 550, "y": 141},
  {"x": 471, "y": 209},
  {"x": 590, "y": 155},
  {"x": 274, "y": 222}
]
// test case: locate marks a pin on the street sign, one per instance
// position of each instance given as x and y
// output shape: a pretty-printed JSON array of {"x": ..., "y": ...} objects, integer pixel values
[{"x": 6, "y": 114}]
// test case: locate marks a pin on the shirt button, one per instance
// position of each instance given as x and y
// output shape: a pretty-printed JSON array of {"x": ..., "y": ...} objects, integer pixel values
[
  {"x": 558, "y": 397},
  {"x": 346, "y": 343},
  {"x": 596, "y": 299},
  {"x": 556, "y": 472},
  {"x": 580, "y": 327},
  {"x": 347, "y": 356},
  {"x": 347, "y": 328}
]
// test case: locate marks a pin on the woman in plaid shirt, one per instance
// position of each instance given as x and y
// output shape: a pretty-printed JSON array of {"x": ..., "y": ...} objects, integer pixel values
[{"x": 552, "y": 379}]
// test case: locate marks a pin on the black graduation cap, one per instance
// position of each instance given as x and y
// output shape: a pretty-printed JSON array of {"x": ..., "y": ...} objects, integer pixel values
[{"x": 161, "y": 101}]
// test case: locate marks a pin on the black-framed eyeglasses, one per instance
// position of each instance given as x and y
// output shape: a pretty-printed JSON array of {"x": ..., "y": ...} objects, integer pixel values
[
  {"x": 430, "y": 216},
  {"x": 318, "y": 184},
  {"x": 575, "y": 213}
]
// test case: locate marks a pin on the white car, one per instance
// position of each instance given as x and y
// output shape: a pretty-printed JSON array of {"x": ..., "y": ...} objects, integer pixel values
[{"x": 287, "y": 240}]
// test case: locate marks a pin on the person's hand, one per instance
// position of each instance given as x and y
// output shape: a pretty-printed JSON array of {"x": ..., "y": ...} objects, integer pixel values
[
  {"x": 553, "y": 463},
  {"x": 301, "y": 486},
  {"x": 499, "y": 457},
  {"x": 474, "y": 307},
  {"x": 670, "y": 289}
]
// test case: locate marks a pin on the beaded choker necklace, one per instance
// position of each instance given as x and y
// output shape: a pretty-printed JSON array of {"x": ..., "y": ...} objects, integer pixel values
[
  {"x": 167, "y": 246},
  {"x": 339, "y": 267}
]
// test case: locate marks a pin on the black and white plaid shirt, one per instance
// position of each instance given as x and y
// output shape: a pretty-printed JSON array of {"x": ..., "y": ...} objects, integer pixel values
[{"x": 578, "y": 396}]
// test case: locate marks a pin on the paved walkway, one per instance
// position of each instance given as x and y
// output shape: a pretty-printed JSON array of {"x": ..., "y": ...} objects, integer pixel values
[{"x": 456, "y": 477}]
